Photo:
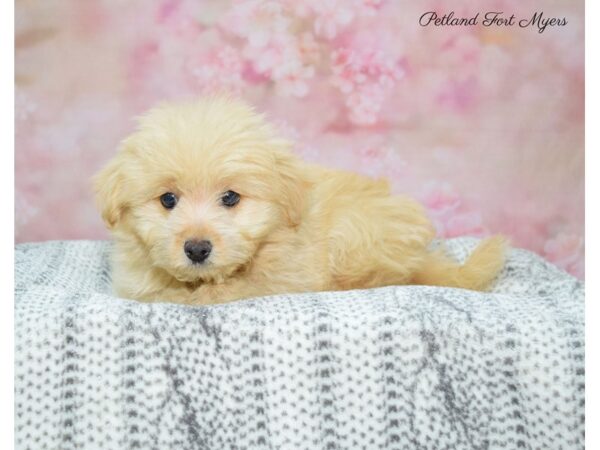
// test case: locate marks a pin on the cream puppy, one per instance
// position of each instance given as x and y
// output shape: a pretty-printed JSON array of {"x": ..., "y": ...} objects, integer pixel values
[{"x": 207, "y": 205}]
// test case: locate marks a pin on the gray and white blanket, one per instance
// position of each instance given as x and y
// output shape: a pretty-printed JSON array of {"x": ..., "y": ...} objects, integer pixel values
[{"x": 407, "y": 367}]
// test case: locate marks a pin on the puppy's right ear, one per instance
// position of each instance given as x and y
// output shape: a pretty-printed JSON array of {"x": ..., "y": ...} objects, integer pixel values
[
  {"x": 110, "y": 197},
  {"x": 292, "y": 186}
]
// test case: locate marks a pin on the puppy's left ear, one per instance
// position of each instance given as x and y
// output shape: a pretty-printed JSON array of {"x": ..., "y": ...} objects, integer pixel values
[
  {"x": 293, "y": 186},
  {"x": 108, "y": 185}
]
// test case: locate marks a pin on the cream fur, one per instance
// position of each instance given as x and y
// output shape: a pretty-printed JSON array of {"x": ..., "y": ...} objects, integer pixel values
[{"x": 297, "y": 227}]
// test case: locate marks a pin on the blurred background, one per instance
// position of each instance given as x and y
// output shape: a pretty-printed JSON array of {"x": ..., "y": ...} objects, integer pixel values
[{"x": 482, "y": 125}]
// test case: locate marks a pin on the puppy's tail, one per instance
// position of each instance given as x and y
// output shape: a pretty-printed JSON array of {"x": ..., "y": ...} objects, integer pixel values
[{"x": 477, "y": 273}]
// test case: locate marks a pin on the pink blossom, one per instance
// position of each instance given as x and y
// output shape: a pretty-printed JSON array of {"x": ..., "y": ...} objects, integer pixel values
[
  {"x": 364, "y": 103},
  {"x": 281, "y": 60},
  {"x": 293, "y": 79},
  {"x": 308, "y": 48},
  {"x": 276, "y": 57},
  {"x": 365, "y": 76},
  {"x": 331, "y": 16},
  {"x": 220, "y": 70},
  {"x": 257, "y": 21}
]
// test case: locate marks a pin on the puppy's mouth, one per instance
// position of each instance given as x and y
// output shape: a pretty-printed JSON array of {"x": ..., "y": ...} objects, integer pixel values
[
  {"x": 193, "y": 272},
  {"x": 193, "y": 285},
  {"x": 199, "y": 264},
  {"x": 196, "y": 274}
]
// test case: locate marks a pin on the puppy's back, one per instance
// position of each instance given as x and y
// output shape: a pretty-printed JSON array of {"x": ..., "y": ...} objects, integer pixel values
[{"x": 374, "y": 238}]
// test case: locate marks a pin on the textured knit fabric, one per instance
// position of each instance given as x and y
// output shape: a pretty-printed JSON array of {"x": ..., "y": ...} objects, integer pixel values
[{"x": 408, "y": 367}]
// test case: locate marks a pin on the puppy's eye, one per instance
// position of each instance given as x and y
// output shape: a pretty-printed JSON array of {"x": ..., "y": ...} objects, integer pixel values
[
  {"x": 230, "y": 199},
  {"x": 168, "y": 200}
]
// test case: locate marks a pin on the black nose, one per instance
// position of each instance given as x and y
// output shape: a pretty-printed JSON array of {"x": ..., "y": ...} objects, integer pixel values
[{"x": 197, "y": 251}]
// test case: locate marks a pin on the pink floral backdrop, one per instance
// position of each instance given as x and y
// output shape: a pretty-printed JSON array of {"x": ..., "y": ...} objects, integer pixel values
[{"x": 484, "y": 125}]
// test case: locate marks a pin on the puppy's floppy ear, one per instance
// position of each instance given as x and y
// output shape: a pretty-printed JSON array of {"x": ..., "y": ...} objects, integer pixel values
[
  {"x": 293, "y": 186},
  {"x": 108, "y": 185}
]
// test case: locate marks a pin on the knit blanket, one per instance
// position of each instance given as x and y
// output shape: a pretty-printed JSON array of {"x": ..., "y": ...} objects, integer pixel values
[{"x": 409, "y": 367}]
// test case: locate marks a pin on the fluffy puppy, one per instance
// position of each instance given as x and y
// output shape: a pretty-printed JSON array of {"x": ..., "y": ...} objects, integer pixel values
[{"x": 208, "y": 205}]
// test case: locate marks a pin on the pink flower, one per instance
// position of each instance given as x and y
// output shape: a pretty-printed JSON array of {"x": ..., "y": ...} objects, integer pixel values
[
  {"x": 220, "y": 70},
  {"x": 281, "y": 60},
  {"x": 257, "y": 21},
  {"x": 308, "y": 48},
  {"x": 364, "y": 104},
  {"x": 331, "y": 16},
  {"x": 365, "y": 76},
  {"x": 263, "y": 60},
  {"x": 293, "y": 79}
]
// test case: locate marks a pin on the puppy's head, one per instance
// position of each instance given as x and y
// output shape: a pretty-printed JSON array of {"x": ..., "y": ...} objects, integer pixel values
[{"x": 199, "y": 186}]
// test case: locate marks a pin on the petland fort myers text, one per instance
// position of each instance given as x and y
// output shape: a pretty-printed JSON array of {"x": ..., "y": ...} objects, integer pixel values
[{"x": 492, "y": 18}]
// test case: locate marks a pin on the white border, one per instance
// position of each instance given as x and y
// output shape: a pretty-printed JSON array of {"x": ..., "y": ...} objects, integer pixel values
[
  {"x": 592, "y": 141},
  {"x": 7, "y": 223},
  {"x": 592, "y": 224}
]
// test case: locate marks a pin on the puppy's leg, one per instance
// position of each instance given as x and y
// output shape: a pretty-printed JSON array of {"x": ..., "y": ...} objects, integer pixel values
[{"x": 477, "y": 273}]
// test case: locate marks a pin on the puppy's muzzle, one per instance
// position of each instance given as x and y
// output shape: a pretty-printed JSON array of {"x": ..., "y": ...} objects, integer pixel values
[{"x": 197, "y": 251}]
